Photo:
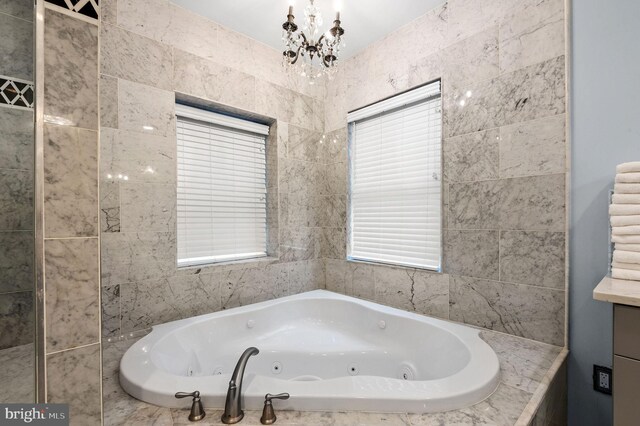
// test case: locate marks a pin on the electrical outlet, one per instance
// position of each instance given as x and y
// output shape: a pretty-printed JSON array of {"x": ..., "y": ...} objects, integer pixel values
[{"x": 602, "y": 379}]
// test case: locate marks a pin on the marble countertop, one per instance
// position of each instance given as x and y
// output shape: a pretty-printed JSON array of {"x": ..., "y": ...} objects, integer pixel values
[
  {"x": 526, "y": 367},
  {"x": 618, "y": 291}
]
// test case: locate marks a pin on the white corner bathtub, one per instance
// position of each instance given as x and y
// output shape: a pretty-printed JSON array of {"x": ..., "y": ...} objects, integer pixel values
[{"x": 330, "y": 352}]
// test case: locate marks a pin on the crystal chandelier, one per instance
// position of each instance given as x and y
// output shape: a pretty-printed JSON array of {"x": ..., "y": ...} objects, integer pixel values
[{"x": 302, "y": 51}]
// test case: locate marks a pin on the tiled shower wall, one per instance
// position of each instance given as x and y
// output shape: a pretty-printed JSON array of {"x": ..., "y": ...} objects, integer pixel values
[
  {"x": 151, "y": 53},
  {"x": 504, "y": 163},
  {"x": 71, "y": 246},
  {"x": 16, "y": 178}
]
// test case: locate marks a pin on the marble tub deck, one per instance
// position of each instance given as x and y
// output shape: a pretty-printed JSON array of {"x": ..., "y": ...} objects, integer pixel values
[{"x": 527, "y": 369}]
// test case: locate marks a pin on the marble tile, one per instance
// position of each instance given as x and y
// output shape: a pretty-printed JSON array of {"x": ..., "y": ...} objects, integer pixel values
[
  {"x": 431, "y": 294},
  {"x": 532, "y": 92},
  {"x": 468, "y": 17},
  {"x": 297, "y": 177},
  {"x": 502, "y": 408},
  {"x": 109, "y": 206},
  {"x": 132, "y": 57},
  {"x": 145, "y": 109},
  {"x": 71, "y": 182},
  {"x": 335, "y": 111},
  {"x": 281, "y": 140},
  {"x": 16, "y": 319},
  {"x": 119, "y": 407},
  {"x": 474, "y": 205},
  {"x": 300, "y": 209},
  {"x": 523, "y": 362},
  {"x": 19, "y": 9},
  {"x": 285, "y": 105},
  {"x": 108, "y": 101},
  {"x": 333, "y": 243},
  {"x": 474, "y": 58},
  {"x": 109, "y": 11},
  {"x": 153, "y": 302},
  {"x": 336, "y": 178},
  {"x": 299, "y": 243},
  {"x": 304, "y": 144},
  {"x": 532, "y": 32},
  {"x": 17, "y": 371},
  {"x": 472, "y": 157},
  {"x": 192, "y": 33},
  {"x": 533, "y": 257},
  {"x": 553, "y": 407},
  {"x": 361, "y": 279},
  {"x": 236, "y": 49},
  {"x": 16, "y": 50},
  {"x": 305, "y": 276},
  {"x": 533, "y": 148},
  {"x": 412, "y": 290},
  {"x": 149, "y": 18},
  {"x": 333, "y": 211},
  {"x": 243, "y": 287},
  {"x": 337, "y": 276},
  {"x": 534, "y": 203},
  {"x": 16, "y": 200},
  {"x": 73, "y": 377},
  {"x": 16, "y": 261},
  {"x": 141, "y": 157},
  {"x": 207, "y": 79},
  {"x": 110, "y": 301},
  {"x": 533, "y": 312},
  {"x": 72, "y": 293},
  {"x": 71, "y": 71},
  {"x": 335, "y": 146},
  {"x": 134, "y": 257},
  {"x": 472, "y": 253},
  {"x": 16, "y": 148},
  {"x": 146, "y": 207}
]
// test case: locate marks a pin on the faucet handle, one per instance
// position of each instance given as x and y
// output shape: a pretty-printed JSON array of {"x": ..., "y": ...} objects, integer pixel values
[
  {"x": 268, "y": 414},
  {"x": 197, "y": 410},
  {"x": 194, "y": 394},
  {"x": 269, "y": 397}
]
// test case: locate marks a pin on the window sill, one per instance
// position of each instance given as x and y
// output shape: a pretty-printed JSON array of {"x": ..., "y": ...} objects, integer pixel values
[
  {"x": 227, "y": 266},
  {"x": 396, "y": 266}
]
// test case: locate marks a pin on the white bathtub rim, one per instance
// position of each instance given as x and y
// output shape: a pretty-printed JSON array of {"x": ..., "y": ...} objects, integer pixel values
[{"x": 414, "y": 396}]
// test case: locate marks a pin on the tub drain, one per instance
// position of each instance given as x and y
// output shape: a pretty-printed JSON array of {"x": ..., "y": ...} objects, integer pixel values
[
  {"x": 353, "y": 369},
  {"x": 276, "y": 368},
  {"x": 405, "y": 372},
  {"x": 217, "y": 371}
]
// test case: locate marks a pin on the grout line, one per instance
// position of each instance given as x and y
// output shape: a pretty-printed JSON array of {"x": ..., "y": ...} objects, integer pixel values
[
  {"x": 74, "y": 348},
  {"x": 16, "y": 17}
]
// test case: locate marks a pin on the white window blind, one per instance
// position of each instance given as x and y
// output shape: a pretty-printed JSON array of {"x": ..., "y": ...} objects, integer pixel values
[
  {"x": 222, "y": 191},
  {"x": 395, "y": 172}
]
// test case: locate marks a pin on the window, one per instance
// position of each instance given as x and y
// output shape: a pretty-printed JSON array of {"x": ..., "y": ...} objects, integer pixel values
[
  {"x": 396, "y": 186},
  {"x": 222, "y": 192}
]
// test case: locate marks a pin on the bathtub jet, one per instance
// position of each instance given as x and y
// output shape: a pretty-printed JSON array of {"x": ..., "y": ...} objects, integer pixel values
[{"x": 328, "y": 351}]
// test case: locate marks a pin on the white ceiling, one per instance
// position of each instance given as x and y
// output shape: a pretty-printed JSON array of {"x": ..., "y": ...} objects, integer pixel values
[{"x": 364, "y": 21}]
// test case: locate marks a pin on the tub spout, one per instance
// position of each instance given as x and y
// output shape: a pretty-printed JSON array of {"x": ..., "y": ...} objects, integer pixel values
[{"x": 232, "y": 407}]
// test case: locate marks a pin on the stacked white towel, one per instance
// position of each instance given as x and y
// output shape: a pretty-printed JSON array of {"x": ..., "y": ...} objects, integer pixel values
[{"x": 625, "y": 222}]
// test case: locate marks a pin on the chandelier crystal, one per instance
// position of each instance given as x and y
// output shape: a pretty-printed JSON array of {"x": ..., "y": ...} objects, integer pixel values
[{"x": 306, "y": 51}]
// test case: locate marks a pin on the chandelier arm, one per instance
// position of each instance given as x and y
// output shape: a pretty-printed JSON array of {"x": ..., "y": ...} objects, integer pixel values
[{"x": 296, "y": 57}]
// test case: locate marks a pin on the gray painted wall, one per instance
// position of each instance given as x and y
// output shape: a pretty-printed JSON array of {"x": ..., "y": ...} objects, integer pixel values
[{"x": 606, "y": 131}]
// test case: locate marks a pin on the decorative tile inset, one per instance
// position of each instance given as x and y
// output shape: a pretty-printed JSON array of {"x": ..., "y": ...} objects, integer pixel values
[
  {"x": 16, "y": 93},
  {"x": 90, "y": 8}
]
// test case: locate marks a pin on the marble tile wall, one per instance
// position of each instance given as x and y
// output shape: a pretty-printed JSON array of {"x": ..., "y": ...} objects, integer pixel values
[
  {"x": 16, "y": 182},
  {"x": 71, "y": 245},
  {"x": 153, "y": 52},
  {"x": 502, "y": 66}
]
